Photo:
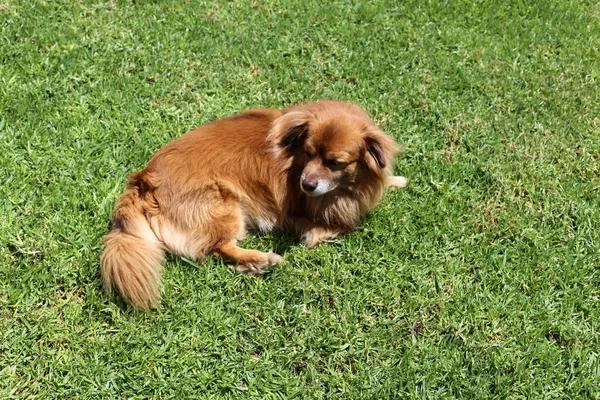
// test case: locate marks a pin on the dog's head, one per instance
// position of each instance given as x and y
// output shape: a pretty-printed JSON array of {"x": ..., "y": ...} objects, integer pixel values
[{"x": 335, "y": 145}]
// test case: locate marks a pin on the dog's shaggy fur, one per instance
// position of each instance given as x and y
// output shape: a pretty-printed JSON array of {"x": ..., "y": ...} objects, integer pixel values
[{"x": 315, "y": 169}]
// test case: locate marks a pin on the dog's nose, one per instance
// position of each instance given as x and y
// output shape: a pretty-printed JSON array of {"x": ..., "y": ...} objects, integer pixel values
[{"x": 309, "y": 185}]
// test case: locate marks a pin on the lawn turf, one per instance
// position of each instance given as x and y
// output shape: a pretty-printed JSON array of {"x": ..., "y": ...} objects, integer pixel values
[{"x": 480, "y": 280}]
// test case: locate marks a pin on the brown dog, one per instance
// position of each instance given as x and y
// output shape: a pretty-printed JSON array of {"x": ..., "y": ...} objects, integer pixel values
[{"x": 315, "y": 169}]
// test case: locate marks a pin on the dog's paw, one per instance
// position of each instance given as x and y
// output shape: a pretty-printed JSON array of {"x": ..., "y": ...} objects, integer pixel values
[
  {"x": 274, "y": 259},
  {"x": 396, "y": 182},
  {"x": 261, "y": 266},
  {"x": 316, "y": 235},
  {"x": 311, "y": 241}
]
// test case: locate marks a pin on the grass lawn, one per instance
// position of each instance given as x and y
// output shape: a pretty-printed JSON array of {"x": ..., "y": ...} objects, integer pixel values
[{"x": 481, "y": 280}]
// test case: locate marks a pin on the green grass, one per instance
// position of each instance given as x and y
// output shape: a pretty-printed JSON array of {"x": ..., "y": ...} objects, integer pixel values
[{"x": 481, "y": 280}]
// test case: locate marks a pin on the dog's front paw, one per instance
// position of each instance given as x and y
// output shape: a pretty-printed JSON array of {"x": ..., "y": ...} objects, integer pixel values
[
  {"x": 274, "y": 259},
  {"x": 259, "y": 266},
  {"x": 314, "y": 236},
  {"x": 396, "y": 182}
]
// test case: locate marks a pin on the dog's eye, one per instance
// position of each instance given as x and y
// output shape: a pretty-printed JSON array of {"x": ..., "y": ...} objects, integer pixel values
[
  {"x": 332, "y": 163},
  {"x": 310, "y": 153}
]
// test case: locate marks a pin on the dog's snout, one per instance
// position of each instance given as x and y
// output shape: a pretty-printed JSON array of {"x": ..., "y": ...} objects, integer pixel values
[{"x": 309, "y": 185}]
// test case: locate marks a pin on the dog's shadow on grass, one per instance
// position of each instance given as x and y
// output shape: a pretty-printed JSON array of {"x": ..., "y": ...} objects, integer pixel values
[
  {"x": 283, "y": 241},
  {"x": 279, "y": 242}
]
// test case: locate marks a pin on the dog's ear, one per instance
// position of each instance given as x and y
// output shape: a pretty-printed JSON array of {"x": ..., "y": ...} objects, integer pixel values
[
  {"x": 289, "y": 129},
  {"x": 381, "y": 149}
]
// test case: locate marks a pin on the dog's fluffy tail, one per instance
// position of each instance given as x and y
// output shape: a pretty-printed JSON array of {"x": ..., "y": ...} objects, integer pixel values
[{"x": 132, "y": 258}]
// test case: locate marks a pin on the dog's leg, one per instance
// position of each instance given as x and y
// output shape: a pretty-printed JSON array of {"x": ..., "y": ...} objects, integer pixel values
[
  {"x": 314, "y": 235},
  {"x": 396, "y": 182},
  {"x": 249, "y": 261}
]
